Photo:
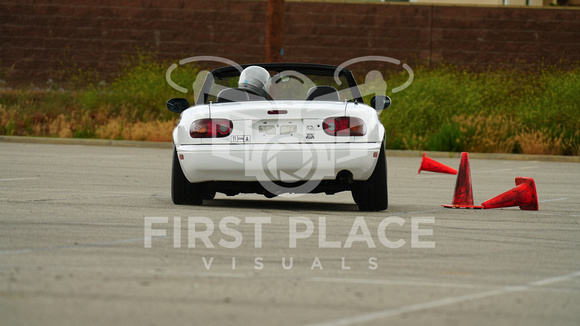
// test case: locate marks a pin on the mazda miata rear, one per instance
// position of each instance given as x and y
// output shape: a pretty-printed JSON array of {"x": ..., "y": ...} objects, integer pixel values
[{"x": 297, "y": 129}]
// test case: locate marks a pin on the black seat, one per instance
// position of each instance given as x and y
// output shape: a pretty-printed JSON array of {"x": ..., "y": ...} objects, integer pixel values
[
  {"x": 322, "y": 93},
  {"x": 232, "y": 95}
]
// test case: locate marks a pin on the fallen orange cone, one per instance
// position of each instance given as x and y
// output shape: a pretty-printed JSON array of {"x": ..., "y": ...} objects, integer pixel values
[
  {"x": 523, "y": 195},
  {"x": 428, "y": 164},
  {"x": 463, "y": 196}
]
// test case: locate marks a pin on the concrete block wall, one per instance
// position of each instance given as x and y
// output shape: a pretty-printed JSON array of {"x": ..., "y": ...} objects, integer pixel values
[{"x": 41, "y": 38}]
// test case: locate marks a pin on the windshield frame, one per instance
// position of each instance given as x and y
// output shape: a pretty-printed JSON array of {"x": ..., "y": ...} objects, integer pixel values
[{"x": 308, "y": 69}]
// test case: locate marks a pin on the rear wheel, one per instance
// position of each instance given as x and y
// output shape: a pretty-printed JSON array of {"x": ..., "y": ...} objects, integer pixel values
[
  {"x": 371, "y": 195},
  {"x": 184, "y": 192}
]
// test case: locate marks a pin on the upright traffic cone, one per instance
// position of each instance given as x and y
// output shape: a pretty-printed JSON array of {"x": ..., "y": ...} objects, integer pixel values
[
  {"x": 463, "y": 196},
  {"x": 428, "y": 164},
  {"x": 523, "y": 195}
]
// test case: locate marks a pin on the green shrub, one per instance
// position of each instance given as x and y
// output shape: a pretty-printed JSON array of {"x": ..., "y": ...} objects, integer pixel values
[{"x": 446, "y": 108}]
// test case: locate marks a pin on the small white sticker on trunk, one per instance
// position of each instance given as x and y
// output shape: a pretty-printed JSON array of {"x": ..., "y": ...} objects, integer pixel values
[{"x": 241, "y": 139}]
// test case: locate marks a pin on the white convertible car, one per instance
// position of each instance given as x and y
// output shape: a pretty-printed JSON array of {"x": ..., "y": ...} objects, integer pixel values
[{"x": 280, "y": 129}]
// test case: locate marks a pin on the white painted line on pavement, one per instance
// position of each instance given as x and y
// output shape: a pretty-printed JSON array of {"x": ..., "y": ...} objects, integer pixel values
[
  {"x": 444, "y": 302},
  {"x": 510, "y": 169},
  {"x": 432, "y": 176},
  {"x": 397, "y": 282},
  {"x": 549, "y": 200},
  {"x": 498, "y": 170},
  {"x": 200, "y": 274},
  {"x": 80, "y": 245},
  {"x": 19, "y": 179},
  {"x": 414, "y": 212}
]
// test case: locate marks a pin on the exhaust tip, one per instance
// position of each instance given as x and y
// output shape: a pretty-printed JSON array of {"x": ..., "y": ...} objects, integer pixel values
[{"x": 345, "y": 177}]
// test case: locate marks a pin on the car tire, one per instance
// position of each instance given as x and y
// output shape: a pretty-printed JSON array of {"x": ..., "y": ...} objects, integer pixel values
[
  {"x": 184, "y": 192},
  {"x": 372, "y": 195},
  {"x": 209, "y": 194}
]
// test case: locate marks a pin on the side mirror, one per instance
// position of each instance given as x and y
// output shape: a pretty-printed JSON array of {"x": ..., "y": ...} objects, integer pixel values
[
  {"x": 380, "y": 102},
  {"x": 177, "y": 105}
]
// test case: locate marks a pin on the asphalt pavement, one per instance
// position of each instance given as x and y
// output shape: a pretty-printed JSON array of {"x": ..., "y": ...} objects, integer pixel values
[{"x": 89, "y": 235}]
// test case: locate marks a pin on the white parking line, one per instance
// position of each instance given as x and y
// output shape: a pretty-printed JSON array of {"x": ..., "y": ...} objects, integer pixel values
[
  {"x": 527, "y": 167},
  {"x": 498, "y": 170},
  {"x": 200, "y": 274},
  {"x": 397, "y": 282},
  {"x": 444, "y": 302},
  {"x": 549, "y": 200},
  {"x": 510, "y": 169},
  {"x": 80, "y": 245},
  {"x": 414, "y": 212},
  {"x": 18, "y": 179}
]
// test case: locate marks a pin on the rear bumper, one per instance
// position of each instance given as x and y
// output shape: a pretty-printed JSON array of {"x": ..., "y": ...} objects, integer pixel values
[{"x": 277, "y": 162}]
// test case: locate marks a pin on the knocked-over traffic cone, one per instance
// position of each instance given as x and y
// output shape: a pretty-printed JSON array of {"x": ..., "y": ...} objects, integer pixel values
[
  {"x": 523, "y": 195},
  {"x": 428, "y": 164},
  {"x": 463, "y": 196}
]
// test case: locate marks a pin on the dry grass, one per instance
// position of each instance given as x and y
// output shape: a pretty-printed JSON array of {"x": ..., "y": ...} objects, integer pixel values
[
  {"x": 574, "y": 146},
  {"x": 487, "y": 134},
  {"x": 509, "y": 110},
  {"x": 445, "y": 109},
  {"x": 540, "y": 142},
  {"x": 40, "y": 124},
  {"x": 500, "y": 134},
  {"x": 159, "y": 131},
  {"x": 495, "y": 134},
  {"x": 471, "y": 133}
]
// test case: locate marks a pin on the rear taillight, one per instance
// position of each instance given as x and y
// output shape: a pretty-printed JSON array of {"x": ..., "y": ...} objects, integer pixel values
[
  {"x": 211, "y": 128},
  {"x": 344, "y": 126}
]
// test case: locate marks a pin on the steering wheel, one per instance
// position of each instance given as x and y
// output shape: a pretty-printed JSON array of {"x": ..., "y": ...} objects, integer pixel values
[{"x": 290, "y": 83}]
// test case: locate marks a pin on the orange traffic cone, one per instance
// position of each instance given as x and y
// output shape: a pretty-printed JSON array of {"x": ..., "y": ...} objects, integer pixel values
[
  {"x": 463, "y": 196},
  {"x": 523, "y": 195},
  {"x": 428, "y": 164}
]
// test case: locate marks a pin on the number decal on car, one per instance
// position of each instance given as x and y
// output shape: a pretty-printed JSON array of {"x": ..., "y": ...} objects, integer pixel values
[{"x": 241, "y": 139}]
